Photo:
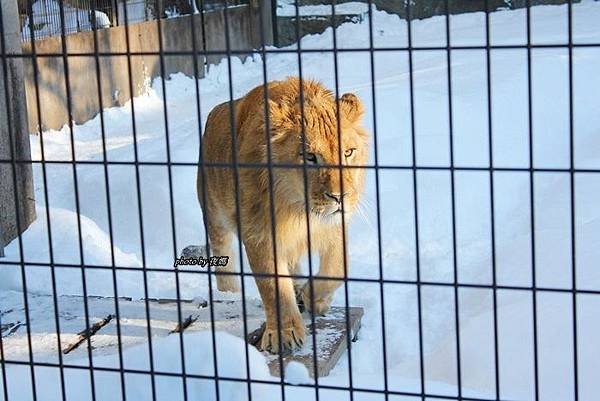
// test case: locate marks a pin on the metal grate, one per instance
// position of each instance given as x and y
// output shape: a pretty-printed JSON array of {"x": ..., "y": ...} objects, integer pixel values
[
  {"x": 42, "y": 18},
  {"x": 60, "y": 19}
]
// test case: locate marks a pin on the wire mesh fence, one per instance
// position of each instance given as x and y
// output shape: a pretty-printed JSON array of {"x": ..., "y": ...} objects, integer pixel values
[
  {"x": 45, "y": 17},
  {"x": 248, "y": 148}
]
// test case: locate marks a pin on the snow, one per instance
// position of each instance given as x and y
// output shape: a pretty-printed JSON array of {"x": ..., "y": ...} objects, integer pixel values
[
  {"x": 102, "y": 20},
  {"x": 289, "y": 9},
  {"x": 47, "y": 20},
  {"x": 513, "y": 236},
  {"x": 296, "y": 373},
  {"x": 199, "y": 350},
  {"x": 136, "y": 12}
]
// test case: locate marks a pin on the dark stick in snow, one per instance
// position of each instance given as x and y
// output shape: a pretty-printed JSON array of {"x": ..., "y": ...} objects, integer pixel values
[
  {"x": 85, "y": 334},
  {"x": 10, "y": 328},
  {"x": 185, "y": 324}
]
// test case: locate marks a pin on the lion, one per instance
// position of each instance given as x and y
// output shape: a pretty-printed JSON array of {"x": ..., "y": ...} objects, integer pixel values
[{"x": 271, "y": 204}]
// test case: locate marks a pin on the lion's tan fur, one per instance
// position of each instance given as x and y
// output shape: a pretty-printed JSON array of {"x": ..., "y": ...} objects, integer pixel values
[{"x": 288, "y": 191}]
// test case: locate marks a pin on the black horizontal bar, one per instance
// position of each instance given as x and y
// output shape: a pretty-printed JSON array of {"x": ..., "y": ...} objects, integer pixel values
[
  {"x": 309, "y": 166},
  {"x": 225, "y": 52},
  {"x": 304, "y": 276},
  {"x": 276, "y": 381}
]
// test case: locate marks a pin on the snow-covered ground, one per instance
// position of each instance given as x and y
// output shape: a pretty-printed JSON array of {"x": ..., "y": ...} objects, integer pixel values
[{"x": 391, "y": 111}]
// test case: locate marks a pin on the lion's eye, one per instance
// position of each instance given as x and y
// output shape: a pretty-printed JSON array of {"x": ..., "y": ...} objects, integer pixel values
[
  {"x": 349, "y": 152},
  {"x": 310, "y": 157}
]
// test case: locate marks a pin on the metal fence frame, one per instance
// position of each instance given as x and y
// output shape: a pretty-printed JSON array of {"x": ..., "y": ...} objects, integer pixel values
[
  {"x": 82, "y": 17},
  {"x": 533, "y": 289},
  {"x": 85, "y": 17}
]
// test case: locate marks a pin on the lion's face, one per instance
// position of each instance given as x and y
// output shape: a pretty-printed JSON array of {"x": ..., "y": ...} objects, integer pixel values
[{"x": 326, "y": 156}]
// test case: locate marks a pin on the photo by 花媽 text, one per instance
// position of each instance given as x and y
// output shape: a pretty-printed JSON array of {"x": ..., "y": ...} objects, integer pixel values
[{"x": 213, "y": 261}]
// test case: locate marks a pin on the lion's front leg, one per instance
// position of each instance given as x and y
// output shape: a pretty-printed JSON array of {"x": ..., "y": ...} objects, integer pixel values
[
  {"x": 329, "y": 278},
  {"x": 287, "y": 333}
]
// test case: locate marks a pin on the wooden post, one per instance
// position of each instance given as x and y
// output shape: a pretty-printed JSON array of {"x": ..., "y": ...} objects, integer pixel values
[
  {"x": 115, "y": 12},
  {"x": 16, "y": 179},
  {"x": 262, "y": 21}
]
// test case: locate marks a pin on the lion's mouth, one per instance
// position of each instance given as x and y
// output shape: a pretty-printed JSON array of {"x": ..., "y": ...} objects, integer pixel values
[{"x": 329, "y": 212}]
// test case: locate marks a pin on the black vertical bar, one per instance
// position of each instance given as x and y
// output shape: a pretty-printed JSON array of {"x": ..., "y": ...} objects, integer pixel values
[
  {"x": 140, "y": 215},
  {"x": 202, "y": 171},
  {"x": 145, "y": 272},
  {"x": 76, "y": 191},
  {"x": 45, "y": 15},
  {"x": 116, "y": 12},
  {"x": 377, "y": 201},
  {"x": 3, "y": 364},
  {"x": 492, "y": 204},
  {"x": 310, "y": 283},
  {"x": 453, "y": 200},
  {"x": 271, "y": 194},
  {"x": 172, "y": 203},
  {"x": 271, "y": 206},
  {"x": 345, "y": 257},
  {"x": 532, "y": 201},
  {"x": 77, "y": 20},
  {"x": 92, "y": 14},
  {"x": 108, "y": 207},
  {"x": 114, "y": 273},
  {"x": 13, "y": 158},
  {"x": 415, "y": 197},
  {"x": 50, "y": 250},
  {"x": 203, "y": 28},
  {"x": 572, "y": 190},
  {"x": 275, "y": 27},
  {"x": 22, "y": 264},
  {"x": 31, "y": 23},
  {"x": 311, "y": 274},
  {"x": 235, "y": 166}
]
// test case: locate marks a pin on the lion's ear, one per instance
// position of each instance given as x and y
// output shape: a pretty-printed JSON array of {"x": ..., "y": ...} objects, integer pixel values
[{"x": 351, "y": 107}]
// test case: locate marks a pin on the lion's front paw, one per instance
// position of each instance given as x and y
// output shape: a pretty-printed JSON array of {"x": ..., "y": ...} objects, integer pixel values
[
  {"x": 292, "y": 337},
  {"x": 320, "y": 305}
]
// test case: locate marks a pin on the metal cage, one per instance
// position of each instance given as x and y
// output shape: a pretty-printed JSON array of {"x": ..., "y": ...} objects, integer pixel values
[{"x": 199, "y": 53}]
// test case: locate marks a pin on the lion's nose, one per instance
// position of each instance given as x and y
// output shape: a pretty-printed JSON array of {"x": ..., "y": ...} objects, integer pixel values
[{"x": 336, "y": 196}]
